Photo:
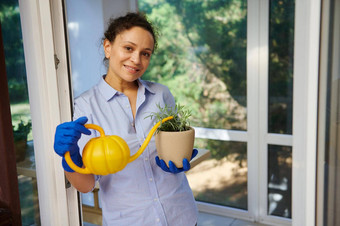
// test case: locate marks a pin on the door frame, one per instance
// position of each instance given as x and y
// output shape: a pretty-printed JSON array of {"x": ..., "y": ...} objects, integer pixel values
[{"x": 45, "y": 96}]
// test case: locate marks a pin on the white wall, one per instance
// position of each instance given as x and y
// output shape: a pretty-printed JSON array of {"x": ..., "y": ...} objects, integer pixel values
[{"x": 86, "y": 23}]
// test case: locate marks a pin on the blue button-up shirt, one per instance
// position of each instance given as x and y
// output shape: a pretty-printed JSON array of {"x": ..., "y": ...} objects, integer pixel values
[{"x": 142, "y": 193}]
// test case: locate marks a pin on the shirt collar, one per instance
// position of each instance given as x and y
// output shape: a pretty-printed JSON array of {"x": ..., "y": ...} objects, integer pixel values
[
  {"x": 108, "y": 92},
  {"x": 146, "y": 85}
]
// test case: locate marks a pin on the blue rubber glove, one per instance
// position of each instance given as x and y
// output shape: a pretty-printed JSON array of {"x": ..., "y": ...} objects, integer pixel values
[
  {"x": 172, "y": 167},
  {"x": 66, "y": 139}
]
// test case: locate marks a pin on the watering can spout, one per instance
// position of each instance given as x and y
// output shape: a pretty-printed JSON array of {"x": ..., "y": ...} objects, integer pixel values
[{"x": 148, "y": 138}]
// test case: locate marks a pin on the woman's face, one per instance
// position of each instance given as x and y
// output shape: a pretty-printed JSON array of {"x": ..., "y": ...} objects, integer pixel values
[{"x": 129, "y": 54}]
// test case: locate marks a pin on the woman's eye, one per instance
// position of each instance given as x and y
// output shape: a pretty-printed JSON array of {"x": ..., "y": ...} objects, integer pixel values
[
  {"x": 146, "y": 54},
  {"x": 128, "y": 48}
]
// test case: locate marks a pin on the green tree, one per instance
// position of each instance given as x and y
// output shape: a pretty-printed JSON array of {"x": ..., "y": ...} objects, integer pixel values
[
  {"x": 217, "y": 31},
  {"x": 193, "y": 59},
  {"x": 14, "y": 53},
  {"x": 281, "y": 53}
]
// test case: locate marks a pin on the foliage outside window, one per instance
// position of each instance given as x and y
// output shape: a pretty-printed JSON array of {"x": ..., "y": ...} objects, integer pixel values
[
  {"x": 201, "y": 57},
  {"x": 281, "y": 53},
  {"x": 14, "y": 52}
]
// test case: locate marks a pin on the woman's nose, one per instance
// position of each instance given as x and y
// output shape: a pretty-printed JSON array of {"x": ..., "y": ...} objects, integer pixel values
[{"x": 135, "y": 58}]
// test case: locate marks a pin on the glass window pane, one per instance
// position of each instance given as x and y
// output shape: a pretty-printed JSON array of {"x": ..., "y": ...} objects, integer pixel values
[
  {"x": 222, "y": 179},
  {"x": 87, "y": 199},
  {"x": 20, "y": 111},
  {"x": 201, "y": 57},
  {"x": 85, "y": 28},
  {"x": 280, "y": 181},
  {"x": 281, "y": 53}
]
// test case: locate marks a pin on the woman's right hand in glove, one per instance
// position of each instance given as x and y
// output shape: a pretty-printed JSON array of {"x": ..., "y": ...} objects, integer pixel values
[{"x": 66, "y": 139}]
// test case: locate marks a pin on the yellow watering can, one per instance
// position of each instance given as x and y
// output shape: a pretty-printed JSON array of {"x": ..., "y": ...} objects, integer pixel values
[{"x": 104, "y": 155}]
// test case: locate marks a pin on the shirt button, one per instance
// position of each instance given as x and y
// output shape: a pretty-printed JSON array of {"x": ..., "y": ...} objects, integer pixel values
[
  {"x": 155, "y": 199},
  {"x": 157, "y": 220},
  {"x": 150, "y": 179},
  {"x": 146, "y": 159}
]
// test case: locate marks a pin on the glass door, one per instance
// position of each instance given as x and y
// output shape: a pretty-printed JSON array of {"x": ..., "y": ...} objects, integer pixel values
[
  {"x": 20, "y": 111},
  {"x": 232, "y": 63}
]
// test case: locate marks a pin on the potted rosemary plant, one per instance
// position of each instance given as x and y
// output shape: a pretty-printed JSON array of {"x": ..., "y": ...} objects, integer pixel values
[{"x": 174, "y": 138}]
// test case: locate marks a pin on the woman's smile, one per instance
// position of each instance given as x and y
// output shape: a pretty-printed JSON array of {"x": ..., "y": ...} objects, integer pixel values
[{"x": 132, "y": 70}]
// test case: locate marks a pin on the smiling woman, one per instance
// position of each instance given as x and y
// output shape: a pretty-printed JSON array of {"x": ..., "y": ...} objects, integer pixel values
[
  {"x": 129, "y": 57},
  {"x": 119, "y": 104}
]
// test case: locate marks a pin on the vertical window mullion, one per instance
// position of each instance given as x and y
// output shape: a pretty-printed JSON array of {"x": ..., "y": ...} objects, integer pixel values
[
  {"x": 253, "y": 72},
  {"x": 263, "y": 107},
  {"x": 305, "y": 88}
]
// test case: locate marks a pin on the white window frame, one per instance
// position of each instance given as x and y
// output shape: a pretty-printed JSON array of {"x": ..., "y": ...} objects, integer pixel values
[
  {"x": 306, "y": 55},
  {"x": 44, "y": 96},
  {"x": 50, "y": 105},
  {"x": 306, "y": 71}
]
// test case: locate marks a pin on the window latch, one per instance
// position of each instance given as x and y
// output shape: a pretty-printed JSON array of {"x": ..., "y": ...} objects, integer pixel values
[{"x": 56, "y": 61}]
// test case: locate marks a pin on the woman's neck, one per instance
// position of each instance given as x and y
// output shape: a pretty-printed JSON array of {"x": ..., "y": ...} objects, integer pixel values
[
  {"x": 121, "y": 85},
  {"x": 129, "y": 89}
]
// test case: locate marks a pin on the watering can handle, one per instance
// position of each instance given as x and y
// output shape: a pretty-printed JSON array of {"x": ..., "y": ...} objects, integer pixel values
[
  {"x": 68, "y": 158},
  {"x": 148, "y": 138}
]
